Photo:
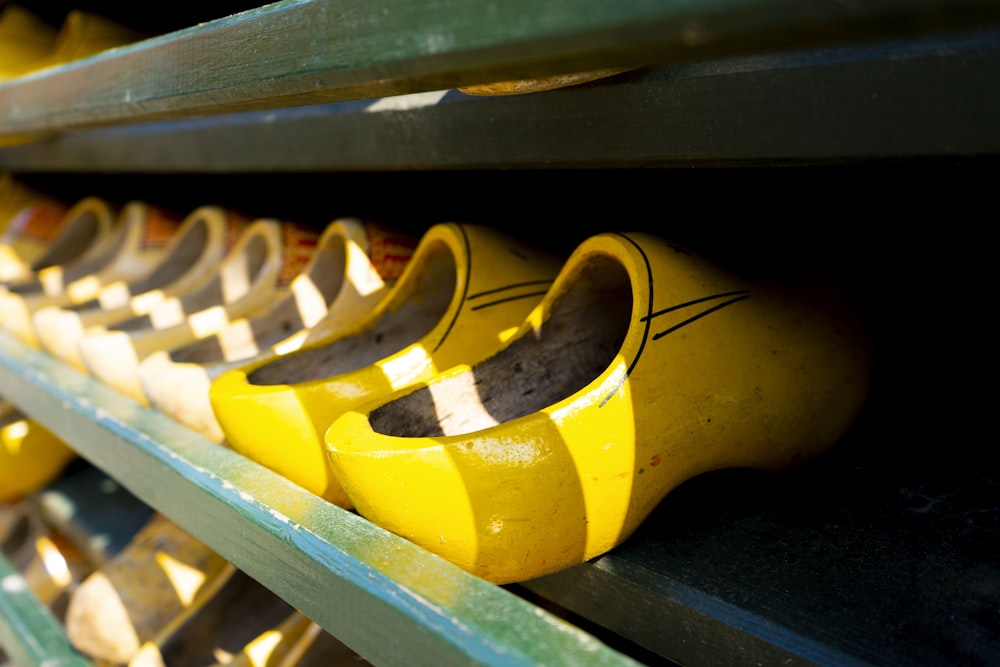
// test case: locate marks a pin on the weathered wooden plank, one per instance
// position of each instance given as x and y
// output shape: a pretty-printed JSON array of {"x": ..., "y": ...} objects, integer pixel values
[
  {"x": 318, "y": 51},
  {"x": 927, "y": 97},
  {"x": 387, "y": 599}
]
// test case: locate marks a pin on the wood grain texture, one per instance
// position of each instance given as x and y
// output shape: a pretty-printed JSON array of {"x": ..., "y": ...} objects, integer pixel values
[
  {"x": 319, "y": 51},
  {"x": 928, "y": 97}
]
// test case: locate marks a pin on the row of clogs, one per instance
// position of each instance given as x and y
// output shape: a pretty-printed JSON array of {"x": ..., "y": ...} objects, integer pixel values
[
  {"x": 161, "y": 600},
  {"x": 515, "y": 412},
  {"x": 30, "y": 455}
]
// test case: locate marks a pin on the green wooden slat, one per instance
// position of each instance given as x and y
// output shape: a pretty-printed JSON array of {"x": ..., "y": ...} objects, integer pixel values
[
  {"x": 934, "y": 96},
  {"x": 29, "y": 634},
  {"x": 387, "y": 599},
  {"x": 312, "y": 51}
]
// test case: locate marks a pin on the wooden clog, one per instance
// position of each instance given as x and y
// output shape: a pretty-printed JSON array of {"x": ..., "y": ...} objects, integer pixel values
[
  {"x": 216, "y": 628},
  {"x": 644, "y": 365},
  {"x": 539, "y": 84},
  {"x": 244, "y": 284},
  {"x": 133, "y": 596},
  {"x": 30, "y": 454},
  {"x": 202, "y": 241},
  {"x": 25, "y": 40},
  {"x": 466, "y": 288},
  {"x": 45, "y": 235},
  {"x": 355, "y": 264},
  {"x": 138, "y": 241}
]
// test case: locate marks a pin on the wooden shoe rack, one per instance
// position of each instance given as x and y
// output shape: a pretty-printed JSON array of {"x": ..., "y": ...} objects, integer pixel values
[{"x": 857, "y": 136}]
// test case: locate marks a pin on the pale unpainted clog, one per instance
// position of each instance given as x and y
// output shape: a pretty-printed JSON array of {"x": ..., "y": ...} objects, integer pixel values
[
  {"x": 140, "y": 238},
  {"x": 644, "y": 366},
  {"x": 245, "y": 283},
  {"x": 46, "y": 235},
  {"x": 217, "y": 628},
  {"x": 355, "y": 264},
  {"x": 201, "y": 243},
  {"x": 141, "y": 590},
  {"x": 31, "y": 455},
  {"x": 466, "y": 288}
]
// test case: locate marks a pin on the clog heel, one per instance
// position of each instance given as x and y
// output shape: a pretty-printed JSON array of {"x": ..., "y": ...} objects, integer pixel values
[
  {"x": 245, "y": 283},
  {"x": 644, "y": 366},
  {"x": 133, "y": 596},
  {"x": 355, "y": 264},
  {"x": 464, "y": 290},
  {"x": 31, "y": 456},
  {"x": 49, "y": 236},
  {"x": 136, "y": 244},
  {"x": 194, "y": 252}
]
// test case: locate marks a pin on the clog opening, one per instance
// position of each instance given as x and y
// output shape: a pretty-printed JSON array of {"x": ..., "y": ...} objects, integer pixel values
[
  {"x": 418, "y": 304},
  {"x": 577, "y": 341},
  {"x": 75, "y": 237},
  {"x": 311, "y": 291},
  {"x": 236, "y": 276},
  {"x": 184, "y": 255}
]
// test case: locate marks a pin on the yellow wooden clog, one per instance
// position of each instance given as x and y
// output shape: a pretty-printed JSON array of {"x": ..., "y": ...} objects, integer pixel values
[
  {"x": 644, "y": 366},
  {"x": 31, "y": 456},
  {"x": 29, "y": 44},
  {"x": 541, "y": 83},
  {"x": 355, "y": 264},
  {"x": 141, "y": 590},
  {"x": 466, "y": 288},
  {"x": 45, "y": 235},
  {"x": 25, "y": 40},
  {"x": 139, "y": 240},
  {"x": 244, "y": 284},
  {"x": 202, "y": 241}
]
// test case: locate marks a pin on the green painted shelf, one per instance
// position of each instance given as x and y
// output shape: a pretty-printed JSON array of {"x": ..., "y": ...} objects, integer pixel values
[
  {"x": 832, "y": 565},
  {"x": 389, "y": 600}
]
